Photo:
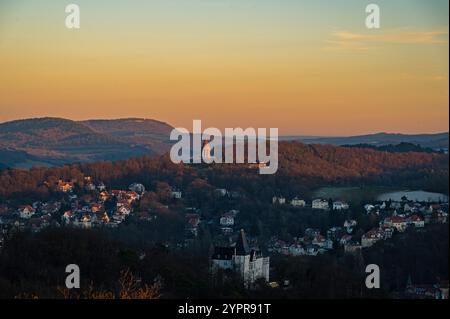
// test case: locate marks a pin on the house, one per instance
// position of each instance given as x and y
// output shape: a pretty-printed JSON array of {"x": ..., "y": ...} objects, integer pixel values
[
  {"x": 334, "y": 233},
  {"x": 103, "y": 195},
  {"x": 248, "y": 263},
  {"x": 51, "y": 208},
  {"x": 434, "y": 291},
  {"x": 352, "y": 247},
  {"x": 227, "y": 219},
  {"x": 349, "y": 225},
  {"x": 222, "y": 192},
  {"x": 340, "y": 205},
  {"x": 416, "y": 221},
  {"x": 118, "y": 193},
  {"x": 90, "y": 187},
  {"x": 441, "y": 217},
  {"x": 388, "y": 232},
  {"x": 226, "y": 230},
  {"x": 26, "y": 211},
  {"x": 176, "y": 194},
  {"x": 132, "y": 196},
  {"x": 86, "y": 221},
  {"x": 278, "y": 200},
  {"x": 369, "y": 208},
  {"x": 311, "y": 250},
  {"x": 64, "y": 186},
  {"x": 67, "y": 216},
  {"x": 233, "y": 212},
  {"x": 296, "y": 250},
  {"x": 118, "y": 218},
  {"x": 96, "y": 207},
  {"x": 320, "y": 204},
  {"x": 322, "y": 242},
  {"x": 371, "y": 237},
  {"x": 311, "y": 232},
  {"x": 122, "y": 202},
  {"x": 137, "y": 187},
  {"x": 124, "y": 210},
  {"x": 297, "y": 202},
  {"x": 104, "y": 218},
  {"x": 397, "y": 222}
]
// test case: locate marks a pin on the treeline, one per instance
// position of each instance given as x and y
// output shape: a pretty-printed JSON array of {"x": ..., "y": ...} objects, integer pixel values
[
  {"x": 33, "y": 266},
  {"x": 396, "y": 148},
  {"x": 419, "y": 256},
  {"x": 301, "y": 169}
]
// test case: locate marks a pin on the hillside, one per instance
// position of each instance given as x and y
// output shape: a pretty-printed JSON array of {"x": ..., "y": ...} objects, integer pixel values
[
  {"x": 434, "y": 141},
  {"x": 54, "y": 141},
  {"x": 302, "y": 169},
  {"x": 135, "y": 131}
]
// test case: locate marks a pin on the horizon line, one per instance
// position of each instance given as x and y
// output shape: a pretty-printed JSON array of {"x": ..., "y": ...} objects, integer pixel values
[{"x": 167, "y": 123}]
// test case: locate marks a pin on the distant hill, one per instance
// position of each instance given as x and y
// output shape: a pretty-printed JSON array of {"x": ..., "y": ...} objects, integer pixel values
[
  {"x": 135, "y": 131},
  {"x": 398, "y": 148},
  {"x": 437, "y": 141},
  {"x": 55, "y": 141}
]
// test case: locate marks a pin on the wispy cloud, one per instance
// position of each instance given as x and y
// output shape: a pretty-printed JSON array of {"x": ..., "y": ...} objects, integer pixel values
[{"x": 362, "y": 41}]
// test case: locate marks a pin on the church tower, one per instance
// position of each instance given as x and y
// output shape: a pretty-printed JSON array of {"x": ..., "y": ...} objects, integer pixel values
[{"x": 242, "y": 257}]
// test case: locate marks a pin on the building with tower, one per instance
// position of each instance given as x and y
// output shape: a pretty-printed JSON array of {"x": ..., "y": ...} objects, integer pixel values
[{"x": 248, "y": 262}]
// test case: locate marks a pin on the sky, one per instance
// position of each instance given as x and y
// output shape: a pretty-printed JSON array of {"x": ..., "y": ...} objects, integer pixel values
[{"x": 307, "y": 67}]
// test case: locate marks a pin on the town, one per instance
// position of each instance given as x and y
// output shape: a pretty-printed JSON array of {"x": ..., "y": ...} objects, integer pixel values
[{"x": 91, "y": 204}]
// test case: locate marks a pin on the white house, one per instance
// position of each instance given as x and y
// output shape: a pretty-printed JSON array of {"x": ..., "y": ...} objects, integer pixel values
[
  {"x": 26, "y": 211},
  {"x": 417, "y": 221},
  {"x": 369, "y": 207},
  {"x": 176, "y": 194},
  {"x": 297, "y": 202},
  {"x": 397, "y": 222},
  {"x": 340, "y": 205},
  {"x": 320, "y": 204},
  {"x": 296, "y": 250},
  {"x": 227, "y": 220},
  {"x": 278, "y": 200}
]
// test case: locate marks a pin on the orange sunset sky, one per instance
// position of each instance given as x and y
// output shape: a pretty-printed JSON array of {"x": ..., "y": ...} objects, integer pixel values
[{"x": 306, "y": 67}]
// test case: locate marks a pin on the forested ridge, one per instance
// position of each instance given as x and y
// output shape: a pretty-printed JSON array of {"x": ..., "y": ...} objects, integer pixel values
[{"x": 301, "y": 168}]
